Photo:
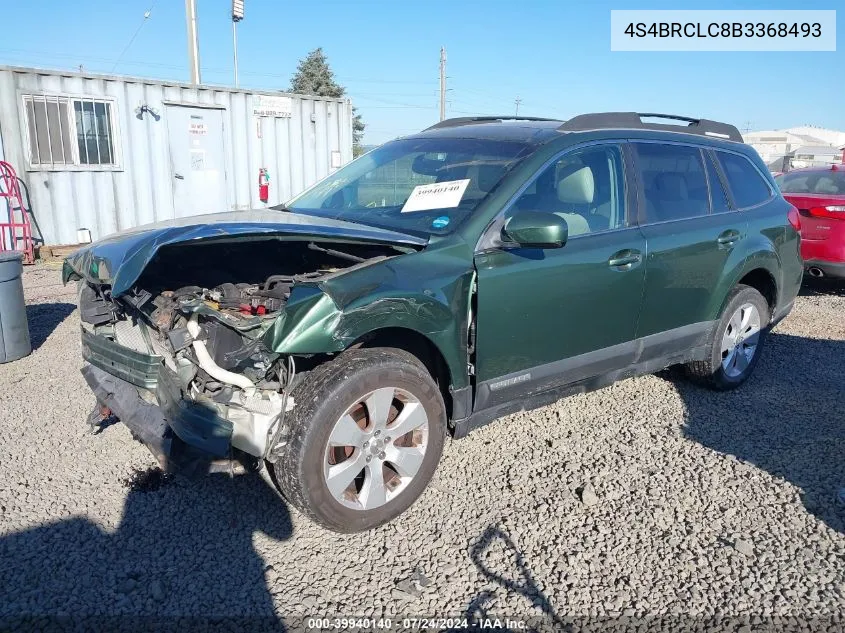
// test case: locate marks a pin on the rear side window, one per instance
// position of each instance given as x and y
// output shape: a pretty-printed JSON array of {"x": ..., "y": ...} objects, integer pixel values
[
  {"x": 718, "y": 196},
  {"x": 674, "y": 183},
  {"x": 824, "y": 182},
  {"x": 746, "y": 183}
]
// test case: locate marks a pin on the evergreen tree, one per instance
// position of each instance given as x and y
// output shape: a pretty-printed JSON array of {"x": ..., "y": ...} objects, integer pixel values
[{"x": 314, "y": 77}]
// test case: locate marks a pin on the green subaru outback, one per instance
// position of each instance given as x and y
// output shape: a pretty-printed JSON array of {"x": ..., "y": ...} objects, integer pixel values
[{"x": 482, "y": 267}]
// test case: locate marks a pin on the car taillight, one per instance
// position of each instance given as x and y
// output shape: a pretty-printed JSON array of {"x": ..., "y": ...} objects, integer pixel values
[
  {"x": 831, "y": 211},
  {"x": 794, "y": 218}
]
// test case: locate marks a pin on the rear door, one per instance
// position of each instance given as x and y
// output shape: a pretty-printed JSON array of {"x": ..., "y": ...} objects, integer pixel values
[{"x": 693, "y": 237}]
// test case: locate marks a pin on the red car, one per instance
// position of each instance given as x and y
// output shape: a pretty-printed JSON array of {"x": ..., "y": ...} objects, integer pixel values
[{"x": 819, "y": 195}]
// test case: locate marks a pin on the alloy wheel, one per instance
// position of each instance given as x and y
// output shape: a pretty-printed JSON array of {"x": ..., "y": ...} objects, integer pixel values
[
  {"x": 740, "y": 340},
  {"x": 376, "y": 448}
]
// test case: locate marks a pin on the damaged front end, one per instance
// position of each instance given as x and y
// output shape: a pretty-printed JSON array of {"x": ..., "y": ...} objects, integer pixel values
[{"x": 184, "y": 356}]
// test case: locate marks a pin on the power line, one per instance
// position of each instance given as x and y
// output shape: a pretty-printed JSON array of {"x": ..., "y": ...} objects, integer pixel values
[
  {"x": 109, "y": 60},
  {"x": 394, "y": 107},
  {"x": 391, "y": 102},
  {"x": 135, "y": 34},
  {"x": 476, "y": 113},
  {"x": 385, "y": 81}
]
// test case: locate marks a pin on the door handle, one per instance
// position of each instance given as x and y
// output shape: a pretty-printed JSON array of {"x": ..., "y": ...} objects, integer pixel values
[
  {"x": 728, "y": 237},
  {"x": 179, "y": 176},
  {"x": 624, "y": 259}
]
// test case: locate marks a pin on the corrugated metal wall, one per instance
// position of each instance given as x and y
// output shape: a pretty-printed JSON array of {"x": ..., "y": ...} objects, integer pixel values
[{"x": 296, "y": 150}]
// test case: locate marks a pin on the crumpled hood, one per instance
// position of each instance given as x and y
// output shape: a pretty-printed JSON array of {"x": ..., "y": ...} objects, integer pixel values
[{"x": 119, "y": 259}]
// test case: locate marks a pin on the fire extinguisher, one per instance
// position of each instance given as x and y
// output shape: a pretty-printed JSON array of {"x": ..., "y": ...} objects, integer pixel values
[{"x": 263, "y": 185}]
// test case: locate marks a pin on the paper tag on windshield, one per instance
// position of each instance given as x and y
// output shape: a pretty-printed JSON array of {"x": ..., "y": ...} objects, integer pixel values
[{"x": 437, "y": 195}]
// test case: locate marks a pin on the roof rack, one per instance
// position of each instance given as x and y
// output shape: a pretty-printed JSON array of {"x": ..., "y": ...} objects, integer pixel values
[
  {"x": 470, "y": 120},
  {"x": 634, "y": 120}
]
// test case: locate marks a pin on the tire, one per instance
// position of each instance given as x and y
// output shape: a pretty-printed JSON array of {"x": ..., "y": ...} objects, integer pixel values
[
  {"x": 720, "y": 370},
  {"x": 330, "y": 405}
]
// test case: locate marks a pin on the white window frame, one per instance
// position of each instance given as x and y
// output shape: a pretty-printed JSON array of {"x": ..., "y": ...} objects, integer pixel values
[{"x": 76, "y": 165}]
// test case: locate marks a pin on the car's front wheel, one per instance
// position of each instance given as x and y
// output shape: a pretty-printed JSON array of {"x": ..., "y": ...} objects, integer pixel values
[
  {"x": 737, "y": 340},
  {"x": 367, "y": 432}
]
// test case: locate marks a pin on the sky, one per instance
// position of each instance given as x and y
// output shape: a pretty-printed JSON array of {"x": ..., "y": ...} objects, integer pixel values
[{"x": 553, "y": 55}]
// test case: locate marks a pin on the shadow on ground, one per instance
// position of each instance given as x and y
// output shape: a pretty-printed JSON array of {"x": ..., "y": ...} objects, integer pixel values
[
  {"x": 813, "y": 287},
  {"x": 43, "y": 318},
  {"x": 788, "y": 419},
  {"x": 495, "y": 549},
  {"x": 182, "y": 558}
]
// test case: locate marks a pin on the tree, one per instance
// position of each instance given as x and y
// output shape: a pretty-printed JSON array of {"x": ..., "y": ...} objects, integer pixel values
[{"x": 314, "y": 77}]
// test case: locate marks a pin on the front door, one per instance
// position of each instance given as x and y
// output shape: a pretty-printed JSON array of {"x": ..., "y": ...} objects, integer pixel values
[
  {"x": 551, "y": 316},
  {"x": 195, "y": 143}
]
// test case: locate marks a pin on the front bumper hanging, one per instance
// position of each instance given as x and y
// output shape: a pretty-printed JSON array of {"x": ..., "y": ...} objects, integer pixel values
[{"x": 184, "y": 437}]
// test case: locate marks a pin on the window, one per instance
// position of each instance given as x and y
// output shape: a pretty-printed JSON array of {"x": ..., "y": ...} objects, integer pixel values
[
  {"x": 68, "y": 131},
  {"x": 585, "y": 187},
  {"x": 746, "y": 183},
  {"x": 718, "y": 195},
  {"x": 391, "y": 184},
  {"x": 387, "y": 187},
  {"x": 824, "y": 182},
  {"x": 673, "y": 182}
]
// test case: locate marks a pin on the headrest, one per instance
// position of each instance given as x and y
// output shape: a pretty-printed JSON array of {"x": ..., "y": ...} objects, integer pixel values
[
  {"x": 577, "y": 187},
  {"x": 826, "y": 185},
  {"x": 671, "y": 186}
]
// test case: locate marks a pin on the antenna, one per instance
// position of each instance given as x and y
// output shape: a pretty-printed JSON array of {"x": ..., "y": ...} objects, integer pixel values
[{"x": 442, "y": 82}]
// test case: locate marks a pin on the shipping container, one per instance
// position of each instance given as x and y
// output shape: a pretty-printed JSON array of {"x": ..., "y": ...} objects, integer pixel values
[{"x": 106, "y": 153}]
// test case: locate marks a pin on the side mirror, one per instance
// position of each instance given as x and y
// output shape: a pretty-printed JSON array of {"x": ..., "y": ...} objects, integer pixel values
[{"x": 536, "y": 229}]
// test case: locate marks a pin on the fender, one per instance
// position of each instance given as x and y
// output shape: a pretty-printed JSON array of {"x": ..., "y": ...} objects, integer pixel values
[
  {"x": 330, "y": 316},
  {"x": 760, "y": 253}
]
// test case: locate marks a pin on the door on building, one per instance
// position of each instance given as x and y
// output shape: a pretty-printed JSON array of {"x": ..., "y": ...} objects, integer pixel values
[{"x": 195, "y": 143}]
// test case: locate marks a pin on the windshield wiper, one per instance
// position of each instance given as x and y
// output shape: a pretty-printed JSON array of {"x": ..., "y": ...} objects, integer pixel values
[{"x": 331, "y": 251}]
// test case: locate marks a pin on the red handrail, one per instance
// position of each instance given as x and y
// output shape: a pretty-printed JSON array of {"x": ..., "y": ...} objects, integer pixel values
[{"x": 17, "y": 228}]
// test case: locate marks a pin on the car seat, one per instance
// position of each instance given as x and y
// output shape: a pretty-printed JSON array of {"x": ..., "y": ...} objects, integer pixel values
[
  {"x": 670, "y": 199},
  {"x": 575, "y": 193}
]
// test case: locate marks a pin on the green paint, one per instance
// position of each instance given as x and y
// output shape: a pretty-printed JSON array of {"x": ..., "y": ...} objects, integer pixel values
[{"x": 543, "y": 293}]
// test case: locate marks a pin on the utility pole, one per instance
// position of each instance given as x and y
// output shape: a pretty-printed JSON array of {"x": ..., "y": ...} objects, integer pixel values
[
  {"x": 517, "y": 101},
  {"x": 237, "y": 16},
  {"x": 442, "y": 82},
  {"x": 193, "y": 43}
]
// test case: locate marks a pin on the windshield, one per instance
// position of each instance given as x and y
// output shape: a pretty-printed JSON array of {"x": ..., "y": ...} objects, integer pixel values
[
  {"x": 422, "y": 186},
  {"x": 822, "y": 182}
]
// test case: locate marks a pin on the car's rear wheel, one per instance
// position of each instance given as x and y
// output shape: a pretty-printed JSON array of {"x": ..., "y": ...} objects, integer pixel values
[
  {"x": 367, "y": 432},
  {"x": 737, "y": 340}
]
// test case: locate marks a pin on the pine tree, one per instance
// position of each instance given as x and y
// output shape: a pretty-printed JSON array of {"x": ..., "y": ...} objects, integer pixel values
[{"x": 314, "y": 77}]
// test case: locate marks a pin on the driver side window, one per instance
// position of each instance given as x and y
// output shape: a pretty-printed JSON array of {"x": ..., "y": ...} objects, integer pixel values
[{"x": 585, "y": 187}]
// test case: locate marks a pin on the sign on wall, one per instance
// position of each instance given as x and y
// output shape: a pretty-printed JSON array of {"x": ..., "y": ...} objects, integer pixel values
[
  {"x": 198, "y": 128},
  {"x": 267, "y": 105}
]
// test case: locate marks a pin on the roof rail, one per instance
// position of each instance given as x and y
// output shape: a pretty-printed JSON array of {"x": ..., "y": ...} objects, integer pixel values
[
  {"x": 470, "y": 120},
  {"x": 634, "y": 120}
]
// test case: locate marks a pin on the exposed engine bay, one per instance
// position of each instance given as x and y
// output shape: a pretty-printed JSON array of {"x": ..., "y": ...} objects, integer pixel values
[{"x": 202, "y": 310}]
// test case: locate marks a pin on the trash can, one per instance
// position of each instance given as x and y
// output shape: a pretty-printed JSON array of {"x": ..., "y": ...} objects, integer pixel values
[{"x": 14, "y": 330}]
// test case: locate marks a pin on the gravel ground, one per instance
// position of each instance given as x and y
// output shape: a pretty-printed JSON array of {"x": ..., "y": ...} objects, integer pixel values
[{"x": 652, "y": 499}]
